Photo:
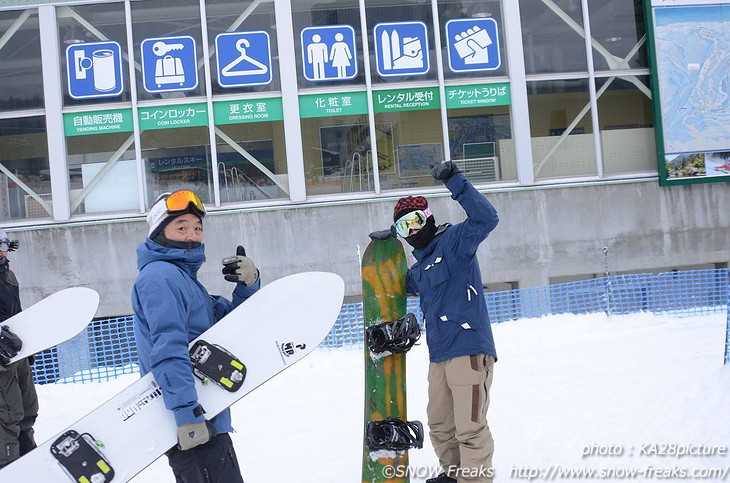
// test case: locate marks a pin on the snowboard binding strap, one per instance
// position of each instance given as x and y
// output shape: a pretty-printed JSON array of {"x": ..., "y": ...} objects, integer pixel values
[
  {"x": 212, "y": 362},
  {"x": 10, "y": 345},
  {"x": 394, "y": 434},
  {"x": 396, "y": 337}
]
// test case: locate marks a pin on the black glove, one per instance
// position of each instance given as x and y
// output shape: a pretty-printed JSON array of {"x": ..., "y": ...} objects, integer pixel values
[
  {"x": 384, "y": 234},
  {"x": 10, "y": 345},
  {"x": 240, "y": 268},
  {"x": 444, "y": 171}
]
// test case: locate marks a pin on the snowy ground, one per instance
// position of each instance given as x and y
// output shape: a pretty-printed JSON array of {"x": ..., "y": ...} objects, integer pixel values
[{"x": 635, "y": 391}]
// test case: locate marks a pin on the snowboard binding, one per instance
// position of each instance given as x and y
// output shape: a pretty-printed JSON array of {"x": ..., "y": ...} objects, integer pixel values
[
  {"x": 394, "y": 434},
  {"x": 211, "y": 362},
  {"x": 80, "y": 457},
  {"x": 10, "y": 345},
  {"x": 396, "y": 337}
]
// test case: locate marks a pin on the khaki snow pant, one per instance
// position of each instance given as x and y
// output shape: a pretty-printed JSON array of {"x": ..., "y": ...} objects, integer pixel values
[{"x": 458, "y": 398}]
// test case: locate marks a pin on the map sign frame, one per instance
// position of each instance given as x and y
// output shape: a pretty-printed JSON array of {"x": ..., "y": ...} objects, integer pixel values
[{"x": 687, "y": 42}]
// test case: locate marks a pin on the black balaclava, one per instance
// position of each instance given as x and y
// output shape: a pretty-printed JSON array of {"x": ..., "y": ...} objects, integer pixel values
[
  {"x": 424, "y": 235},
  {"x": 160, "y": 239}
]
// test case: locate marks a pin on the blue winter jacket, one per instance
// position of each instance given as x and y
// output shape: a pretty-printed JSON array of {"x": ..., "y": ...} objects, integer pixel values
[
  {"x": 171, "y": 309},
  {"x": 447, "y": 277}
]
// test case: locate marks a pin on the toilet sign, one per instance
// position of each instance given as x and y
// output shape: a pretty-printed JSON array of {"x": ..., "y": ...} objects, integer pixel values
[
  {"x": 94, "y": 70},
  {"x": 169, "y": 64}
]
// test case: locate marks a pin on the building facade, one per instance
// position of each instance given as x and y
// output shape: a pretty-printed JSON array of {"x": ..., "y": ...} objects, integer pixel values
[{"x": 300, "y": 123}]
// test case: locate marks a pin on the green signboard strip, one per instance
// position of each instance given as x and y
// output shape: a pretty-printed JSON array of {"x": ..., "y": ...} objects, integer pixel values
[
  {"x": 336, "y": 104},
  {"x": 406, "y": 99},
  {"x": 477, "y": 95},
  {"x": 170, "y": 117},
  {"x": 98, "y": 122},
  {"x": 248, "y": 110}
]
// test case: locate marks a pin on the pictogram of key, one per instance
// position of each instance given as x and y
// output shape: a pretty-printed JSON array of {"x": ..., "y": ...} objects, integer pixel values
[{"x": 160, "y": 48}]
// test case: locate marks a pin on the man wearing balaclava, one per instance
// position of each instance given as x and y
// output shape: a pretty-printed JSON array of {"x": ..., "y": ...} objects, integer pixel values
[
  {"x": 18, "y": 398},
  {"x": 171, "y": 309},
  {"x": 448, "y": 280}
]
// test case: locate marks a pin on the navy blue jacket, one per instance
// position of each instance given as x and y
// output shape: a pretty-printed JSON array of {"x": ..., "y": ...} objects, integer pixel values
[
  {"x": 447, "y": 277},
  {"x": 171, "y": 309}
]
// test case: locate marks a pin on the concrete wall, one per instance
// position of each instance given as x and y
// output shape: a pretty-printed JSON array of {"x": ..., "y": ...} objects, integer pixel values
[{"x": 543, "y": 233}]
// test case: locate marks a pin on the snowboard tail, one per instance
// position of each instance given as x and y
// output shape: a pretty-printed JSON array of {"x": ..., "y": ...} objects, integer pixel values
[
  {"x": 53, "y": 320},
  {"x": 80, "y": 457}
]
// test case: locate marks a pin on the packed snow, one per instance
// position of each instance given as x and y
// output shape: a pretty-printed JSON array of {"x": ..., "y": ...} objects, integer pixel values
[{"x": 638, "y": 397}]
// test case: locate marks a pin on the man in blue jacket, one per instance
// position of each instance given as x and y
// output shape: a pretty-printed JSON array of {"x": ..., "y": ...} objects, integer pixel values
[
  {"x": 447, "y": 277},
  {"x": 171, "y": 309}
]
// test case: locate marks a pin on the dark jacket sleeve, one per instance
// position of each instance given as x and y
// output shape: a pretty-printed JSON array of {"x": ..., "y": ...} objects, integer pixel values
[{"x": 481, "y": 215}]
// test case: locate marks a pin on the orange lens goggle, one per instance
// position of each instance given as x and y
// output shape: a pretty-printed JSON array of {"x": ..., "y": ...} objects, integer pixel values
[{"x": 179, "y": 201}]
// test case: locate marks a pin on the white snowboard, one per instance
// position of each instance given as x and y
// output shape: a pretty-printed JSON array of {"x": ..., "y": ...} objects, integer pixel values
[
  {"x": 273, "y": 329},
  {"x": 53, "y": 320}
]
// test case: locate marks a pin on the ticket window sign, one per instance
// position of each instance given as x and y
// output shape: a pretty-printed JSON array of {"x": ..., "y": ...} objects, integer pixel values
[
  {"x": 169, "y": 64},
  {"x": 94, "y": 70},
  {"x": 473, "y": 44}
]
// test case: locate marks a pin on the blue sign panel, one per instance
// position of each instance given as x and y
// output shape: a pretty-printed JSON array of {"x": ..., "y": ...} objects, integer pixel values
[
  {"x": 169, "y": 64},
  {"x": 473, "y": 44},
  {"x": 243, "y": 59},
  {"x": 329, "y": 53},
  {"x": 94, "y": 70},
  {"x": 401, "y": 48}
]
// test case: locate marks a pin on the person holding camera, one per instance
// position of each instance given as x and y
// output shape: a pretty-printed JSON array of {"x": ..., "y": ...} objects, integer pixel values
[{"x": 18, "y": 398}]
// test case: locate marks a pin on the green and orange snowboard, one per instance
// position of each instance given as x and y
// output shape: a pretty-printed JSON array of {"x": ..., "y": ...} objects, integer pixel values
[{"x": 384, "y": 300}]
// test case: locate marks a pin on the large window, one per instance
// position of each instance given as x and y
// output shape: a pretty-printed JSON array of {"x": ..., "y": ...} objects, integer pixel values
[
  {"x": 589, "y": 101},
  {"x": 86, "y": 33},
  {"x": 177, "y": 159},
  {"x": 21, "y": 79},
  {"x": 481, "y": 144},
  {"x": 417, "y": 150},
  {"x": 401, "y": 41},
  {"x": 469, "y": 46},
  {"x": 327, "y": 44},
  {"x": 626, "y": 123},
  {"x": 159, "y": 28},
  {"x": 102, "y": 173},
  {"x": 242, "y": 66},
  {"x": 25, "y": 183},
  {"x": 251, "y": 162},
  {"x": 553, "y": 36},
  {"x": 560, "y": 122},
  {"x": 618, "y": 31},
  {"x": 337, "y": 154}
]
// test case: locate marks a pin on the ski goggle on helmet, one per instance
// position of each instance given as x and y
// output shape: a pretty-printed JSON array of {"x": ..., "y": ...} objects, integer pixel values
[
  {"x": 9, "y": 245},
  {"x": 6, "y": 244},
  {"x": 415, "y": 220},
  {"x": 183, "y": 201}
]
